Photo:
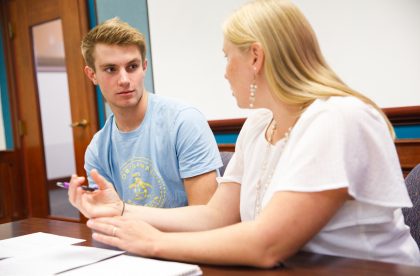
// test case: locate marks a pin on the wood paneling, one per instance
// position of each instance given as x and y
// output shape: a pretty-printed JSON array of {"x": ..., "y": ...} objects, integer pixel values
[
  {"x": 12, "y": 205},
  {"x": 82, "y": 92},
  {"x": 41, "y": 11},
  {"x": 28, "y": 108},
  {"x": 409, "y": 153},
  {"x": 226, "y": 147},
  {"x": 407, "y": 115},
  {"x": 227, "y": 126},
  {"x": 23, "y": 15}
]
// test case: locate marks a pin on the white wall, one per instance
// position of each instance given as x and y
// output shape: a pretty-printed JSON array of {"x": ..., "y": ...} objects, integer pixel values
[
  {"x": 374, "y": 46},
  {"x": 188, "y": 61}
]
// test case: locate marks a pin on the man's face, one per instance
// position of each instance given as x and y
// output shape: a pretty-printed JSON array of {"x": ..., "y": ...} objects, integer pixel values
[{"x": 119, "y": 72}]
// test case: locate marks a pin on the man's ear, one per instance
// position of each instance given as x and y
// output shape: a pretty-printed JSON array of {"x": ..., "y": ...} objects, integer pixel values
[
  {"x": 90, "y": 73},
  {"x": 145, "y": 64},
  {"x": 257, "y": 55}
]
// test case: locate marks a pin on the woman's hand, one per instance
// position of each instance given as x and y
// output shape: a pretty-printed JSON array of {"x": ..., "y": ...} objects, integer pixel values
[
  {"x": 134, "y": 236},
  {"x": 102, "y": 202}
]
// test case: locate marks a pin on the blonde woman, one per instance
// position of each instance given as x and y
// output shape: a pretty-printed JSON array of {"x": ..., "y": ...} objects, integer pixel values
[{"x": 315, "y": 168}]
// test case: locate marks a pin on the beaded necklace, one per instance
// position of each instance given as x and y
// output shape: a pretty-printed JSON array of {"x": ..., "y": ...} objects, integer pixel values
[{"x": 266, "y": 173}]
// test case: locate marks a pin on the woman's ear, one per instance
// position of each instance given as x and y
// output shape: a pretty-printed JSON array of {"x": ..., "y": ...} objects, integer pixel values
[{"x": 257, "y": 55}]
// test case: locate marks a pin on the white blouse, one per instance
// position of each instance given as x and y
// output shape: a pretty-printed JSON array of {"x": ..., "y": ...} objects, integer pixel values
[{"x": 338, "y": 142}]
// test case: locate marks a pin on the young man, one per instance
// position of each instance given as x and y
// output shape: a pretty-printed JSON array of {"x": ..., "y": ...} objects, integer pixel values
[{"x": 157, "y": 152}]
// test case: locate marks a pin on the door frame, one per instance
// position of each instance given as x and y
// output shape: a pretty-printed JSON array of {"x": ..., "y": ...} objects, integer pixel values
[{"x": 74, "y": 16}]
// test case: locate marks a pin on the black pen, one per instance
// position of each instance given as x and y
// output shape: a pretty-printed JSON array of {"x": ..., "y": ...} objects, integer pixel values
[{"x": 66, "y": 185}]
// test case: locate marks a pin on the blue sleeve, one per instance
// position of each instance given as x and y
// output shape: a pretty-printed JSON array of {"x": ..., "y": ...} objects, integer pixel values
[
  {"x": 92, "y": 162},
  {"x": 195, "y": 144}
]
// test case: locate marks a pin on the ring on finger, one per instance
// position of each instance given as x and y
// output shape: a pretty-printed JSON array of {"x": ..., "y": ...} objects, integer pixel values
[{"x": 114, "y": 231}]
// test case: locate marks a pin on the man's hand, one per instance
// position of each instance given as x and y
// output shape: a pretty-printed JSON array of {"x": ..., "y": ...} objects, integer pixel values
[{"x": 103, "y": 202}]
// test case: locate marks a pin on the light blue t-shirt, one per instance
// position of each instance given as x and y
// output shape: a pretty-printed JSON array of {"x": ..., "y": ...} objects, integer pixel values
[{"x": 147, "y": 165}]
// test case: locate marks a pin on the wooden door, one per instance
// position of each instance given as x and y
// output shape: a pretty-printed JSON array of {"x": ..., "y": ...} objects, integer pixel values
[{"x": 26, "y": 17}]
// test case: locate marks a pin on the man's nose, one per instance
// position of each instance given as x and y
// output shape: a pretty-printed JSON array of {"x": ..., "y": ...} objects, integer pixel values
[{"x": 123, "y": 79}]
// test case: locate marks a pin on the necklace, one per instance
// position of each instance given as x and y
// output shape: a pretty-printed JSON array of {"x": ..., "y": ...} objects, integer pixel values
[{"x": 266, "y": 173}]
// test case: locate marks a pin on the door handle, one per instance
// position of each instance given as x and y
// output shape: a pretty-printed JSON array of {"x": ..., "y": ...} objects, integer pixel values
[{"x": 83, "y": 123}]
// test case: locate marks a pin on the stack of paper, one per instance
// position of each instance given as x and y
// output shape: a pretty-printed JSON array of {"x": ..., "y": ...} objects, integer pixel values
[
  {"x": 129, "y": 265},
  {"x": 48, "y": 254},
  {"x": 22, "y": 245},
  {"x": 55, "y": 260}
]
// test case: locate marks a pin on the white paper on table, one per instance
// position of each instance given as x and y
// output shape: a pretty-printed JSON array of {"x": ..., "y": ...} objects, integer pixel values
[
  {"x": 130, "y": 265},
  {"x": 22, "y": 245},
  {"x": 55, "y": 260}
]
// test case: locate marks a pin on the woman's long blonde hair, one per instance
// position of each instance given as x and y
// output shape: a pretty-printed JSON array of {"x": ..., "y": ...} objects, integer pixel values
[{"x": 295, "y": 69}]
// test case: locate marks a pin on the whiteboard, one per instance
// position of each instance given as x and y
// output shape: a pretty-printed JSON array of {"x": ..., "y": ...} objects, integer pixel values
[{"x": 373, "y": 45}]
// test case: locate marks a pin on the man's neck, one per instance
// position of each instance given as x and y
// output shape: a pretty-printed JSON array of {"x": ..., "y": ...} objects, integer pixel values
[{"x": 129, "y": 119}]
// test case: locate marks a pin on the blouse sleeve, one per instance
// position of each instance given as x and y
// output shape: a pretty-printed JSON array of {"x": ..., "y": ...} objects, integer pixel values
[
  {"x": 235, "y": 167},
  {"x": 343, "y": 147}
]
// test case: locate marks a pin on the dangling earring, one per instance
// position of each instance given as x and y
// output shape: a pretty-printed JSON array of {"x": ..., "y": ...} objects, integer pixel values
[{"x": 253, "y": 90}]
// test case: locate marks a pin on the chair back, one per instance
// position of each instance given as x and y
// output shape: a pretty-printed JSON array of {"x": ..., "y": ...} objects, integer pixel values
[
  {"x": 412, "y": 215},
  {"x": 226, "y": 156}
]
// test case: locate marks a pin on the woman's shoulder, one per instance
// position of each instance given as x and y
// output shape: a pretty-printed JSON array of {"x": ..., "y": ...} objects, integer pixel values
[
  {"x": 348, "y": 108},
  {"x": 252, "y": 128},
  {"x": 254, "y": 124},
  {"x": 259, "y": 117}
]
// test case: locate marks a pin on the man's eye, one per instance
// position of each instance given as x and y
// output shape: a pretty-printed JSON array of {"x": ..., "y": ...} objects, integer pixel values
[
  {"x": 133, "y": 67},
  {"x": 109, "y": 69}
]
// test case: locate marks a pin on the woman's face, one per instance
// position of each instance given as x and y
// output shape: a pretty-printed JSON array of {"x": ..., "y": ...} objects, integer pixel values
[{"x": 239, "y": 72}]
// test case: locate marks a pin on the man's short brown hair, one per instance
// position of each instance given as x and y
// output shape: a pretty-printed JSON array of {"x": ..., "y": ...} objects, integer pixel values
[{"x": 112, "y": 32}]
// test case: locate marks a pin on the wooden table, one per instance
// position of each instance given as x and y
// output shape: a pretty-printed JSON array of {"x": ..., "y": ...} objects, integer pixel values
[{"x": 301, "y": 264}]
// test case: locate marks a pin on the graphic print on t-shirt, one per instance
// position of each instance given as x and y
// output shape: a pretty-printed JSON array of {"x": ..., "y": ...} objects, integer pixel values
[{"x": 142, "y": 184}]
